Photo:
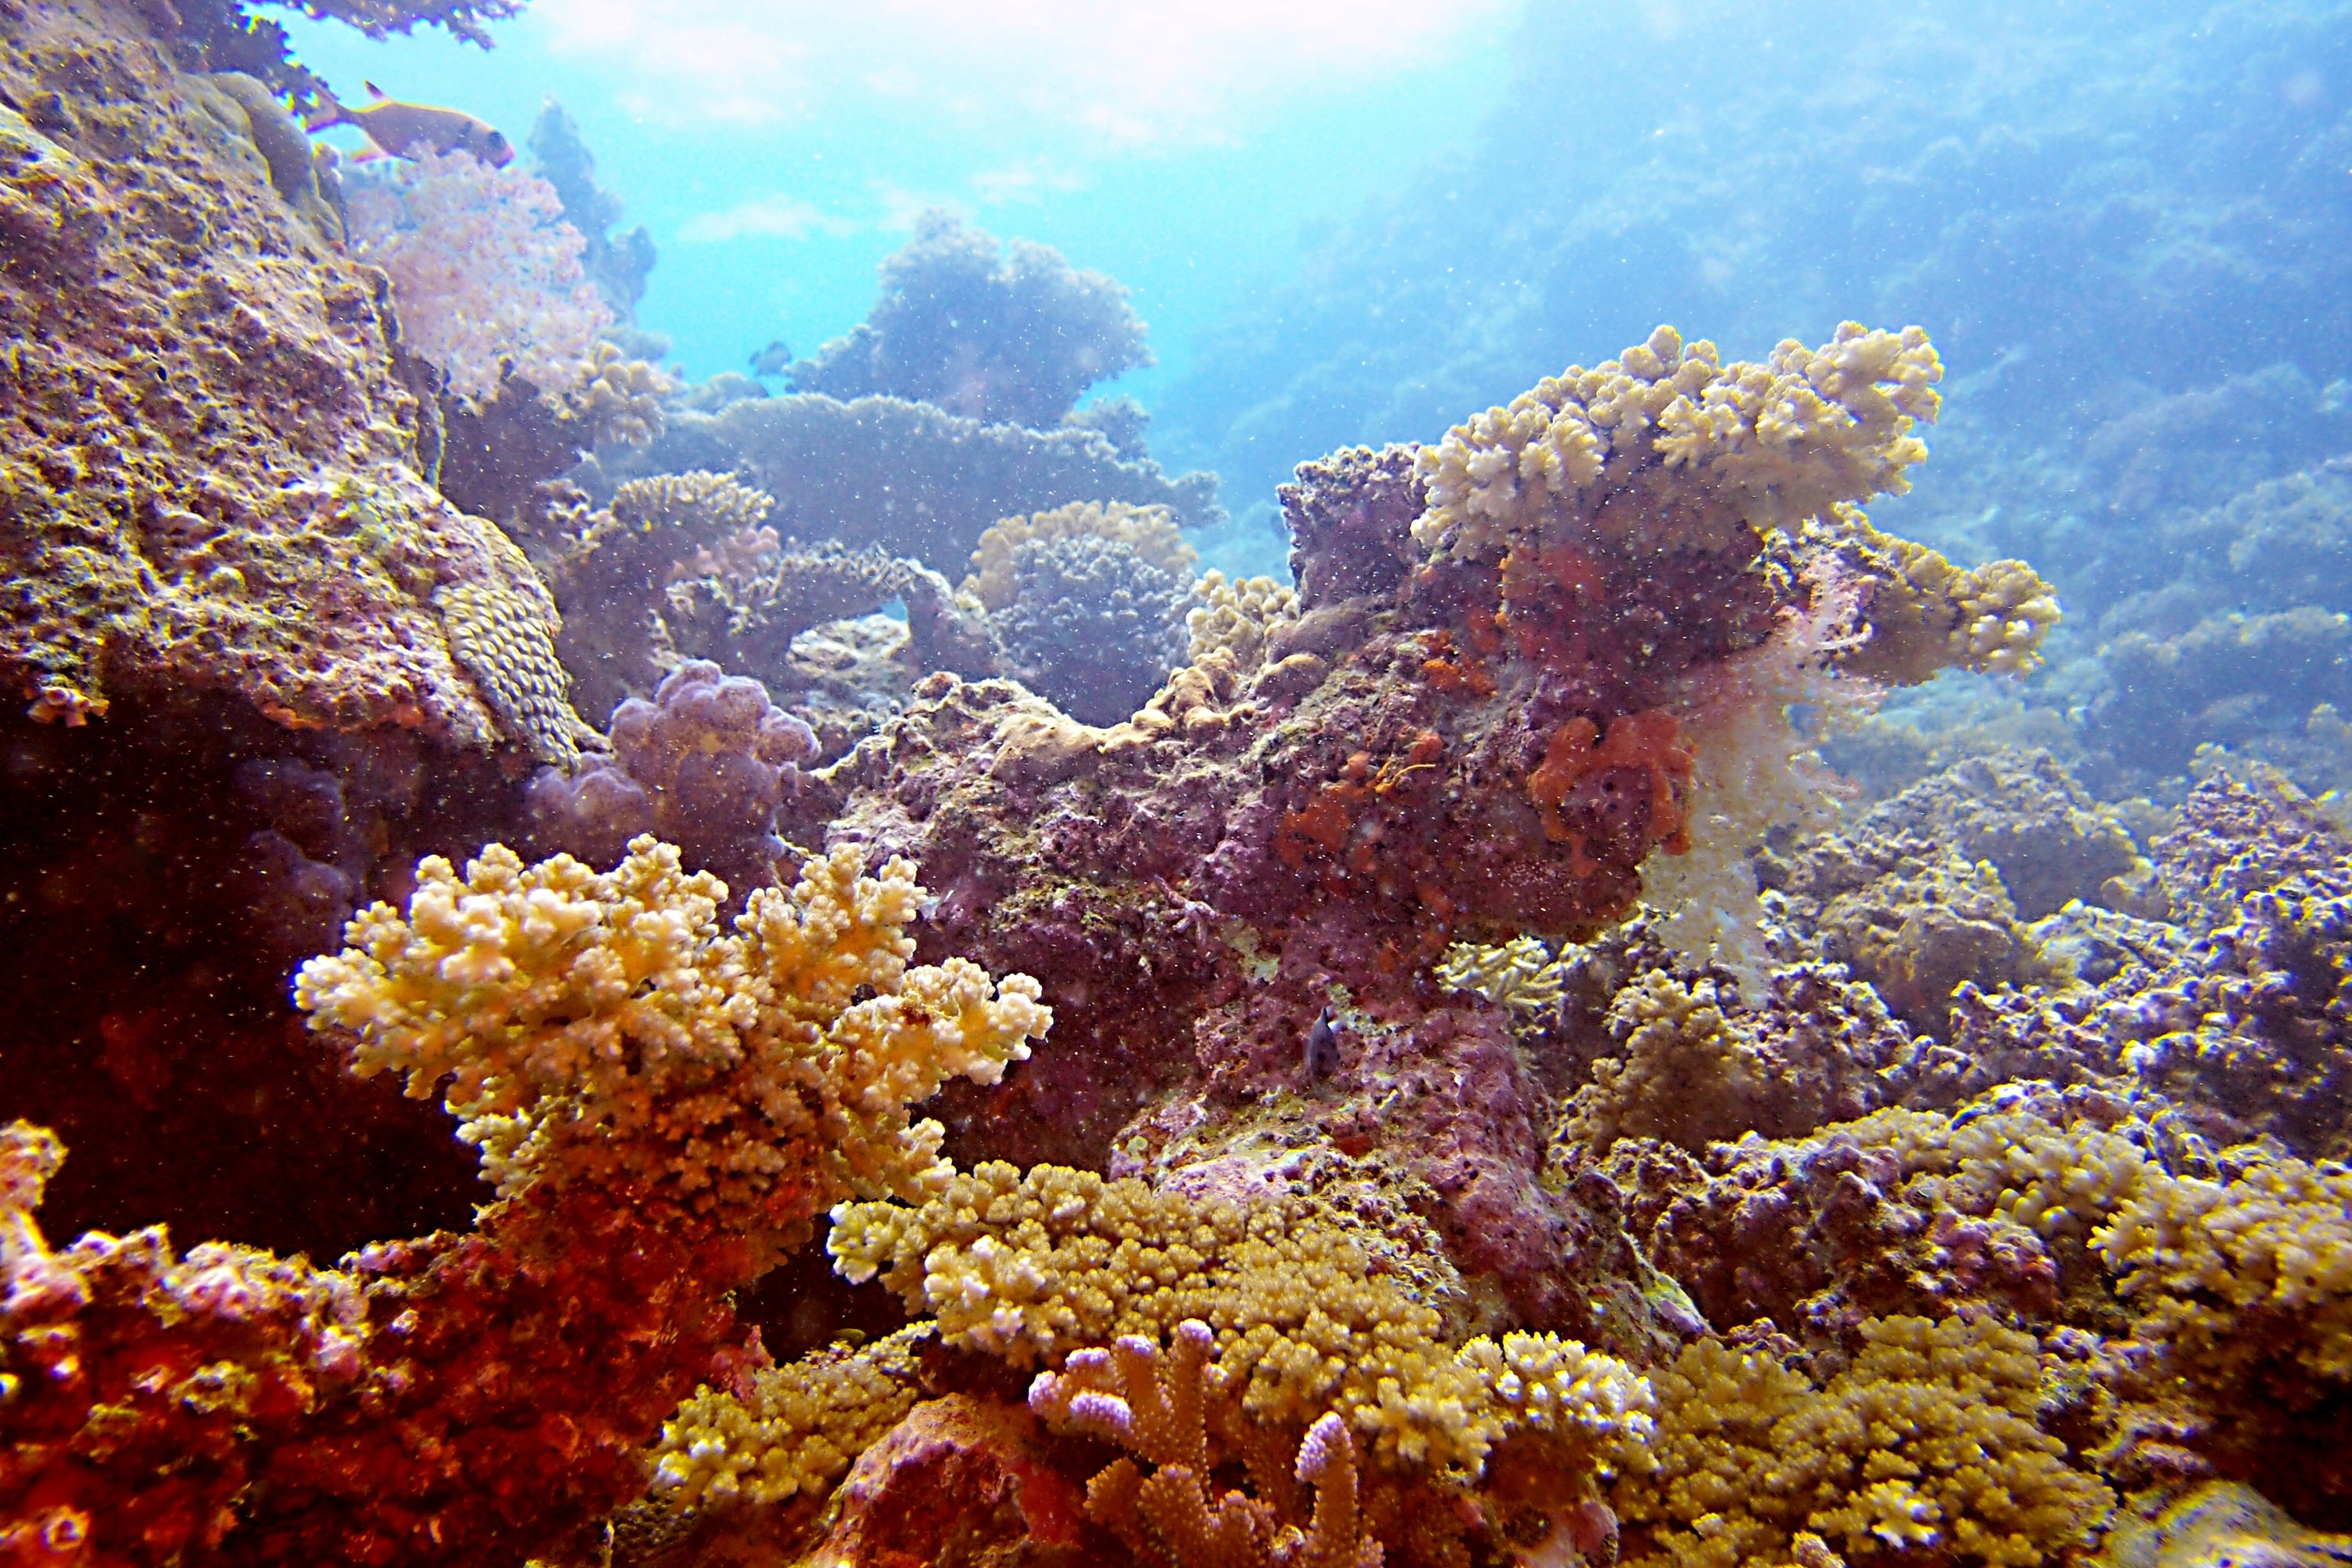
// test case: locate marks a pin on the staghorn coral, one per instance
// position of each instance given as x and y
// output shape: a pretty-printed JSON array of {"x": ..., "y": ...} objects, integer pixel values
[
  {"x": 1157, "y": 1406},
  {"x": 213, "y": 476},
  {"x": 1521, "y": 976},
  {"x": 1033, "y": 1267},
  {"x": 485, "y": 274},
  {"x": 1927, "y": 1442},
  {"x": 704, "y": 766},
  {"x": 1150, "y": 531},
  {"x": 1237, "y": 618},
  {"x": 1004, "y": 338},
  {"x": 599, "y": 1028},
  {"x": 795, "y": 1432}
]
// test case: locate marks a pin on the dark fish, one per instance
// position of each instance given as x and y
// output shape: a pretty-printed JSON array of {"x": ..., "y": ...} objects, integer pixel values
[
  {"x": 413, "y": 130},
  {"x": 1322, "y": 1046},
  {"x": 773, "y": 360}
]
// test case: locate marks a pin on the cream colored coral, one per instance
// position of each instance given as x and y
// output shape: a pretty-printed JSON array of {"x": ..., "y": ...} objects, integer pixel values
[
  {"x": 601, "y": 1027},
  {"x": 1034, "y": 1267},
  {"x": 1926, "y": 1442},
  {"x": 505, "y": 638},
  {"x": 709, "y": 503},
  {"x": 621, "y": 399},
  {"x": 1237, "y": 616},
  {"x": 1520, "y": 975},
  {"x": 1927, "y": 615},
  {"x": 1151, "y": 529},
  {"x": 1669, "y": 443},
  {"x": 800, "y": 1429}
]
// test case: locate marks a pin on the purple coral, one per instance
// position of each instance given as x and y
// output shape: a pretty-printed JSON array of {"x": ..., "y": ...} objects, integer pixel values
[
  {"x": 485, "y": 273},
  {"x": 703, "y": 765}
]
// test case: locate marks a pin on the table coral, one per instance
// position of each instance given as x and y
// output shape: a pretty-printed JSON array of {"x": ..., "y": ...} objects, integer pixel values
[{"x": 213, "y": 474}]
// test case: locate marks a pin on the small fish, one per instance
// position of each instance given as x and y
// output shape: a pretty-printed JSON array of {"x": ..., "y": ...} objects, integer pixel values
[
  {"x": 413, "y": 130},
  {"x": 1322, "y": 1046},
  {"x": 773, "y": 360}
]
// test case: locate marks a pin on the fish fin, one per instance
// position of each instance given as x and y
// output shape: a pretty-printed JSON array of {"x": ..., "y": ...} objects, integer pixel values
[{"x": 373, "y": 91}]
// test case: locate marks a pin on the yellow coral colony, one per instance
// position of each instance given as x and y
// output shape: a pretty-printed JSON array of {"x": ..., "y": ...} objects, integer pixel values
[
  {"x": 1237, "y": 616},
  {"x": 803, "y": 1426},
  {"x": 600, "y": 1027},
  {"x": 1670, "y": 442},
  {"x": 1926, "y": 1443},
  {"x": 1034, "y": 1267}
]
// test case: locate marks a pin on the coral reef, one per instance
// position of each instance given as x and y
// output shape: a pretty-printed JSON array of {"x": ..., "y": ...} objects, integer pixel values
[
  {"x": 1475, "y": 1128},
  {"x": 1004, "y": 339},
  {"x": 663, "y": 1107},
  {"x": 949, "y": 477}
]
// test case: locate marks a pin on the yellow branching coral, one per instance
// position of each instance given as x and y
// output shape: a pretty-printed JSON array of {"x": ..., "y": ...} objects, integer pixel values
[
  {"x": 1520, "y": 974},
  {"x": 1033, "y": 1267},
  {"x": 600, "y": 1027},
  {"x": 1927, "y": 1443},
  {"x": 803, "y": 1426},
  {"x": 1927, "y": 614},
  {"x": 2237, "y": 1274},
  {"x": 1236, "y": 616},
  {"x": 1151, "y": 529},
  {"x": 1667, "y": 437},
  {"x": 709, "y": 503}
]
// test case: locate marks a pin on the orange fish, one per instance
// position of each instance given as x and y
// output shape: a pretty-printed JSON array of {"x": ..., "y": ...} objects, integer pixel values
[{"x": 413, "y": 130}]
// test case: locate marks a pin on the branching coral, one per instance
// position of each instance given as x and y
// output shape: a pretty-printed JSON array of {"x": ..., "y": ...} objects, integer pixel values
[
  {"x": 1033, "y": 1267},
  {"x": 1634, "y": 444},
  {"x": 1157, "y": 1406},
  {"x": 795, "y": 1432},
  {"x": 485, "y": 273},
  {"x": 1522, "y": 974},
  {"x": 1016, "y": 339},
  {"x": 1092, "y": 625},
  {"x": 1926, "y": 1443},
  {"x": 599, "y": 1027}
]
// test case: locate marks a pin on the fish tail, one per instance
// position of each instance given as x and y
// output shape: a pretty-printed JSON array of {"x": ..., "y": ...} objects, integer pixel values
[{"x": 327, "y": 111}]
